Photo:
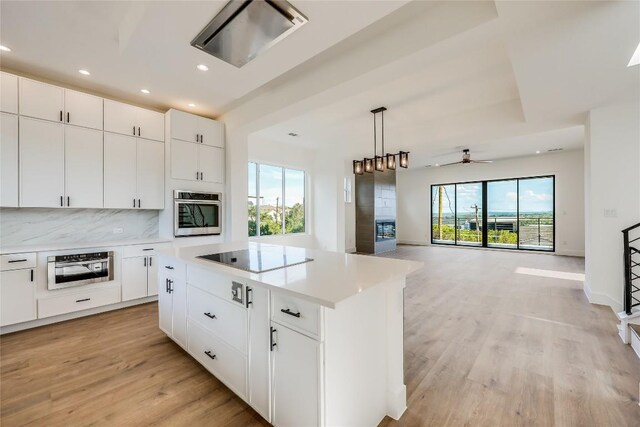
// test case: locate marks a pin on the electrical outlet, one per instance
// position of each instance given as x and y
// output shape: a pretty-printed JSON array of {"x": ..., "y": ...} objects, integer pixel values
[
  {"x": 117, "y": 231},
  {"x": 610, "y": 213}
]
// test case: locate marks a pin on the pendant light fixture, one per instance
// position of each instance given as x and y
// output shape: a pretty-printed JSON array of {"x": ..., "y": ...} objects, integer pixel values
[{"x": 379, "y": 163}]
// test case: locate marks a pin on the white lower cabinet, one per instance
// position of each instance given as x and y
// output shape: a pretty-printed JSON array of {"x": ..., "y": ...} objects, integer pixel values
[
  {"x": 295, "y": 392},
  {"x": 139, "y": 277},
  {"x": 17, "y": 296},
  {"x": 76, "y": 301},
  {"x": 172, "y": 307},
  {"x": 259, "y": 394}
]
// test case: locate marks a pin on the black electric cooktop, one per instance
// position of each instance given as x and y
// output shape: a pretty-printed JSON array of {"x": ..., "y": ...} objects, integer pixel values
[{"x": 257, "y": 261}]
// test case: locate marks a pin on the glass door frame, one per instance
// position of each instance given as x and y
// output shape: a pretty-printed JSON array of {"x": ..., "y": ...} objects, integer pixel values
[{"x": 485, "y": 213}]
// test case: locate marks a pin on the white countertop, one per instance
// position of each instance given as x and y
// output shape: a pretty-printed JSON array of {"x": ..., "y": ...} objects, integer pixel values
[
  {"x": 330, "y": 278},
  {"x": 49, "y": 247}
]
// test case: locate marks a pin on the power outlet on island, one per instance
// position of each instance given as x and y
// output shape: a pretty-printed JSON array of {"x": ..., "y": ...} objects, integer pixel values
[{"x": 118, "y": 230}]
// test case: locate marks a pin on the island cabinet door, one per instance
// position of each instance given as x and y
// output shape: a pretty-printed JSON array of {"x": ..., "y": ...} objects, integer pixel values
[
  {"x": 296, "y": 377},
  {"x": 179, "y": 314},
  {"x": 259, "y": 373},
  {"x": 165, "y": 305}
]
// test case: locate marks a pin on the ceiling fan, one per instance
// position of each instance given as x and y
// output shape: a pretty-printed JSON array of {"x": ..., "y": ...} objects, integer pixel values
[{"x": 466, "y": 159}]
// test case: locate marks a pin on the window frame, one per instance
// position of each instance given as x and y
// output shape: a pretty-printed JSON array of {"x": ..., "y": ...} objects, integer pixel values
[
  {"x": 485, "y": 240},
  {"x": 258, "y": 198}
]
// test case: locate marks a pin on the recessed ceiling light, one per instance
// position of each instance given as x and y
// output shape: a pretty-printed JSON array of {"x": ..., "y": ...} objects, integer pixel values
[
  {"x": 635, "y": 59},
  {"x": 84, "y": 72},
  {"x": 145, "y": 91},
  {"x": 4, "y": 48},
  {"x": 202, "y": 67},
  {"x": 192, "y": 105},
  {"x": 538, "y": 152},
  {"x": 437, "y": 165}
]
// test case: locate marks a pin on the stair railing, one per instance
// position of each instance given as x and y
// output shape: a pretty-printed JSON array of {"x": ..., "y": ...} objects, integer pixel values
[{"x": 631, "y": 270}]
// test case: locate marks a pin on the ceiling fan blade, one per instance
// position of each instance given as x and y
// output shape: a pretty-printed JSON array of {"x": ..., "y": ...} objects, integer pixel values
[
  {"x": 450, "y": 164},
  {"x": 481, "y": 161}
]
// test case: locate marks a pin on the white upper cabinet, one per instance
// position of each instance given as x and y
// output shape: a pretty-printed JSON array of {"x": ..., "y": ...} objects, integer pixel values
[
  {"x": 184, "y": 160},
  {"x": 83, "y": 167},
  {"x": 82, "y": 109},
  {"x": 192, "y": 128},
  {"x": 41, "y": 163},
  {"x": 8, "y": 160},
  {"x": 8, "y": 93},
  {"x": 150, "y": 177},
  {"x": 41, "y": 100},
  {"x": 211, "y": 162},
  {"x": 119, "y": 171},
  {"x": 211, "y": 132},
  {"x": 129, "y": 120}
]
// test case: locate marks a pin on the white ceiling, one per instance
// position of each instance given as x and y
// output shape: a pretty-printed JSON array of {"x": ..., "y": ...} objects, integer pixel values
[
  {"x": 130, "y": 45},
  {"x": 518, "y": 83}
]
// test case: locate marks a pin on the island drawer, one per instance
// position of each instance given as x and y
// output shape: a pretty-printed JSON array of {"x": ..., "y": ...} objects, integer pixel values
[
  {"x": 83, "y": 300},
  {"x": 17, "y": 261},
  {"x": 171, "y": 267},
  {"x": 141, "y": 250},
  {"x": 301, "y": 315},
  {"x": 226, "y": 287},
  {"x": 226, "y": 320},
  {"x": 222, "y": 360}
]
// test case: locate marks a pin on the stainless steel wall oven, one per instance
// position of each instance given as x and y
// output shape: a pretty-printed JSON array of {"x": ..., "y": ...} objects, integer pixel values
[{"x": 197, "y": 214}]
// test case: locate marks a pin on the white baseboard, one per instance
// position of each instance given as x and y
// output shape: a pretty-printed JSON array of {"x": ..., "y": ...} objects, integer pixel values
[
  {"x": 566, "y": 252},
  {"x": 601, "y": 299},
  {"x": 414, "y": 242},
  {"x": 76, "y": 314},
  {"x": 397, "y": 402},
  {"x": 350, "y": 250}
]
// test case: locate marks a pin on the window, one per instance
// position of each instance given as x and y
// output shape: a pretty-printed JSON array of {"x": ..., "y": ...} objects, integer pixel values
[
  {"x": 514, "y": 213},
  {"x": 276, "y": 200}
]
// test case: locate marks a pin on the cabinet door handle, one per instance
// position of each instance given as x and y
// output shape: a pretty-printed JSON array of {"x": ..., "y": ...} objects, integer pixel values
[
  {"x": 150, "y": 261},
  {"x": 60, "y": 115},
  {"x": 272, "y": 342},
  {"x": 138, "y": 203},
  {"x": 201, "y": 176},
  {"x": 138, "y": 130},
  {"x": 208, "y": 353},
  {"x": 145, "y": 261},
  {"x": 166, "y": 285},
  {"x": 249, "y": 301},
  {"x": 83, "y": 300},
  {"x": 197, "y": 175},
  {"x": 201, "y": 138},
  {"x": 289, "y": 312},
  {"x": 134, "y": 203},
  {"x": 68, "y": 201},
  {"x": 61, "y": 201},
  {"x": 67, "y": 117},
  {"x": 32, "y": 275},
  {"x": 11, "y": 261},
  {"x": 170, "y": 286},
  {"x": 168, "y": 267},
  {"x": 134, "y": 131},
  {"x": 210, "y": 316}
]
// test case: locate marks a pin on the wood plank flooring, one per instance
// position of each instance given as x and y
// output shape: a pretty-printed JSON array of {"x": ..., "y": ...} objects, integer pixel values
[{"x": 483, "y": 346}]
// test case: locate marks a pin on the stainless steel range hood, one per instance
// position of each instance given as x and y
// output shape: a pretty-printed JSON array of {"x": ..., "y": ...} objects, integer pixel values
[{"x": 245, "y": 28}]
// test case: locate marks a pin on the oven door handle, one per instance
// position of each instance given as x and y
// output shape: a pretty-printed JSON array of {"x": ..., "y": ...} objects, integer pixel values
[{"x": 69, "y": 264}]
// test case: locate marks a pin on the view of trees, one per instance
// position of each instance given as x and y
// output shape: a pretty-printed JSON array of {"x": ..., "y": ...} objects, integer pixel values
[{"x": 266, "y": 184}]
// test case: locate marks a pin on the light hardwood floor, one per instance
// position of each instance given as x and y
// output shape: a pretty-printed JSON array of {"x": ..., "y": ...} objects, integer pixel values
[{"x": 483, "y": 346}]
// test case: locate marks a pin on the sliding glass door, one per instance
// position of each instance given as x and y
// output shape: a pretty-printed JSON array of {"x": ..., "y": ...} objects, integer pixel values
[{"x": 509, "y": 214}]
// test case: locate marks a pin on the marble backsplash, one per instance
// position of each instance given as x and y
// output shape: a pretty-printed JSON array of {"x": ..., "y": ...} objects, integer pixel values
[{"x": 27, "y": 226}]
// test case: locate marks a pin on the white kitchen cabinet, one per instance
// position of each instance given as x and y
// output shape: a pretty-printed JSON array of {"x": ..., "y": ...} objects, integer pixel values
[
  {"x": 8, "y": 93},
  {"x": 196, "y": 162},
  {"x": 17, "y": 296},
  {"x": 41, "y": 163},
  {"x": 133, "y": 172},
  {"x": 83, "y": 158},
  {"x": 135, "y": 121},
  {"x": 82, "y": 109},
  {"x": 184, "y": 160},
  {"x": 211, "y": 164},
  {"x": 150, "y": 174},
  {"x": 191, "y": 128},
  {"x": 172, "y": 307},
  {"x": 139, "y": 277},
  {"x": 295, "y": 393},
  {"x": 8, "y": 160},
  {"x": 120, "y": 171},
  {"x": 41, "y": 100},
  {"x": 259, "y": 350}
]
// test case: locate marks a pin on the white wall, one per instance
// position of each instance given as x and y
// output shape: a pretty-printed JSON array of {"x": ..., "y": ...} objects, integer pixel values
[
  {"x": 612, "y": 175},
  {"x": 414, "y": 198}
]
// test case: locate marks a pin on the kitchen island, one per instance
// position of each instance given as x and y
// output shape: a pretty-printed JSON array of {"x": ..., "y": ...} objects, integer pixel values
[{"x": 317, "y": 343}]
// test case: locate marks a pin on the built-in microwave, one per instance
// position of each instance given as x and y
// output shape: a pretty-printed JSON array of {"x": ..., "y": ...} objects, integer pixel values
[
  {"x": 65, "y": 271},
  {"x": 197, "y": 214}
]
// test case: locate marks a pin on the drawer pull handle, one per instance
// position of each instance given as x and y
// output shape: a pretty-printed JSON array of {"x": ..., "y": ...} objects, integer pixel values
[
  {"x": 11, "y": 261},
  {"x": 168, "y": 267},
  {"x": 83, "y": 300},
  {"x": 210, "y": 316},
  {"x": 147, "y": 249},
  {"x": 272, "y": 341},
  {"x": 289, "y": 312},
  {"x": 208, "y": 353},
  {"x": 249, "y": 292}
]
